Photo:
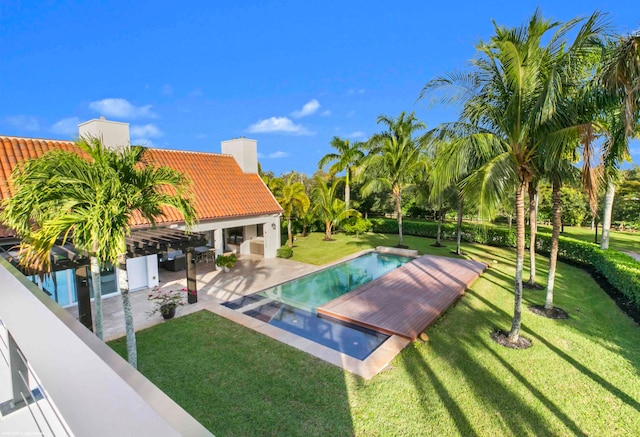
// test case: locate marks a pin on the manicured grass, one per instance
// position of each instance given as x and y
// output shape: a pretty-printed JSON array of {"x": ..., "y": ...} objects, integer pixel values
[
  {"x": 581, "y": 377},
  {"x": 623, "y": 241}
]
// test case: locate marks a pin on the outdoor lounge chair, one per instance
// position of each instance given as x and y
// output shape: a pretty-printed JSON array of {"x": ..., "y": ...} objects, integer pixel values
[{"x": 176, "y": 262}]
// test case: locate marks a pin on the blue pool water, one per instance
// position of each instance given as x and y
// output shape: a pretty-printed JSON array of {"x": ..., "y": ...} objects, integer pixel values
[{"x": 292, "y": 305}]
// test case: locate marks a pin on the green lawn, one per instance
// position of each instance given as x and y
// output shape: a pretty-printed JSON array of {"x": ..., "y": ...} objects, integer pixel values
[
  {"x": 581, "y": 377},
  {"x": 624, "y": 241}
]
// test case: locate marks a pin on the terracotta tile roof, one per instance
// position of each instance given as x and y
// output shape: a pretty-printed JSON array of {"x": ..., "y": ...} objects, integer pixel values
[{"x": 221, "y": 189}]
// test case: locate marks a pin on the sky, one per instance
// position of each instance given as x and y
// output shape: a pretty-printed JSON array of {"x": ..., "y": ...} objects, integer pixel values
[{"x": 289, "y": 74}]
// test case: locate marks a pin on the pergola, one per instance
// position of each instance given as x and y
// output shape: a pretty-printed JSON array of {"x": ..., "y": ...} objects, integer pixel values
[{"x": 141, "y": 242}]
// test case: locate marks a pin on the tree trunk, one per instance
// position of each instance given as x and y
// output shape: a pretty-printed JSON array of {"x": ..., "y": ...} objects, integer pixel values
[
  {"x": 514, "y": 334},
  {"x": 289, "y": 235},
  {"x": 97, "y": 296},
  {"x": 607, "y": 210},
  {"x": 533, "y": 226},
  {"x": 347, "y": 189},
  {"x": 439, "y": 234},
  {"x": 555, "y": 236},
  {"x": 399, "y": 213},
  {"x": 327, "y": 230},
  {"x": 459, "y": 233},
  {"x": 123, "y": 284}
]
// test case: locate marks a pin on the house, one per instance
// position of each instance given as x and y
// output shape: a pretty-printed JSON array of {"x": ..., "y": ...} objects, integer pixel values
[{"x": 236, "y": 210}]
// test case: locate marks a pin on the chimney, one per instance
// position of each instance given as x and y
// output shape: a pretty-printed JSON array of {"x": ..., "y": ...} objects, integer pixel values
[
  {"x": 114, "y": 134},
  {"x": 245, "y": 152}
]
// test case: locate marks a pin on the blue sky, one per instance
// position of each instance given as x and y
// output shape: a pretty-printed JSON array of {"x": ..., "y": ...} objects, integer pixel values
[{"x": 291, "y": 74}]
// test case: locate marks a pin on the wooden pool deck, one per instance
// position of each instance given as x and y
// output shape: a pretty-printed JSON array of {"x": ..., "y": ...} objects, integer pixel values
[{"x": 408, "y": 299}]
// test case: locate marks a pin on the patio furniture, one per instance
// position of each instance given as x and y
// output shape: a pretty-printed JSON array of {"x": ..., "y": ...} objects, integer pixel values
[{"x": 176, "y": 261}]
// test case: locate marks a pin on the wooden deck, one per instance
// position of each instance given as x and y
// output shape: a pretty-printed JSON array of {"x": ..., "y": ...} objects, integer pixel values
[{"x": 407, "y": 300}]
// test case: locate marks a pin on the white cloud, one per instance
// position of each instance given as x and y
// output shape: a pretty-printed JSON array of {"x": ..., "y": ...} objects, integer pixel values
[
  {"x": 147, "y": 130},
  {"x": 325, "y": 113},
  {"x": 278, "y": 154},
  {"x": 166, "y": 90},
  {"x": 278, "y": 124},
  {"x": 309, "y": 108},
  {"x": 201, "y": 136},
  {"x": 351, "y": 114},
  {"x": 66, "y": 126},
  {"x": 356, "y": 134},
  {"x": 121, "y": 108},
  {"x": 354, "y": 91},
  {"x": 25, "y": 122}
]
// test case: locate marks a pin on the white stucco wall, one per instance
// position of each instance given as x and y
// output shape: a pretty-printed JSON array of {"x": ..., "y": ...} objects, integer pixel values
[
  {"x": 114, "y": 134},
  {"x": 271, "y": 232},
  {"x": 244, "y": 151}
]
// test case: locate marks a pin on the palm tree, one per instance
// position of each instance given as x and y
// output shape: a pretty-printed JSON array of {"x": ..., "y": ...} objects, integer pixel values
[
  {"x": 329, "y": 207},
  {"x": 92, "y": 202},
  {"x": 394, "y": 158},
  {"x": 621, "y": 78},
  {"x": 348, "y": 156},
  {"x": 293, "y": 200},
  {"x": 514, "y": 91}
]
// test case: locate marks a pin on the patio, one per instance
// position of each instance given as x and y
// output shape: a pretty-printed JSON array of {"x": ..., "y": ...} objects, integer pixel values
[{"x": 250, "y": 274}]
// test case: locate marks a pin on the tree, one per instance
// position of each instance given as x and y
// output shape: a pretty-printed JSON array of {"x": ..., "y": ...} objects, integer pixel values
[
  {"x": 91, "y": 200},
  {"x": 331, "y": 209},
  {"x": 394, "y": 158},
  {"x": 621, "y": 78},
  {"x": 293, "y": 200},
  {"x": 507, "y": 116},
  {"x": 348, "y": 156}
]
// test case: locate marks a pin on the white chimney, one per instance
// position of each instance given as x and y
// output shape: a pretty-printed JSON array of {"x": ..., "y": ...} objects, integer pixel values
[
  {"x": 114, "y": 134},
  {"x": 245, "y": 152}
]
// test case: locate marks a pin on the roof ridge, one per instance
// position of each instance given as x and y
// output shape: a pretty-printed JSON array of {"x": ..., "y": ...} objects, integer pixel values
[
  {"x": 36, "y": 139},
  {"x": 197, "y": 152}
]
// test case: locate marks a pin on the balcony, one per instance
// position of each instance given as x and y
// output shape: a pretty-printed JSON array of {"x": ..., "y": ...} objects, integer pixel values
[{"x": 57, "y": 378}]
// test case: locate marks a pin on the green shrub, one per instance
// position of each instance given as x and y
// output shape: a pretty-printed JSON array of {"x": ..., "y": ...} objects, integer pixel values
[
  {"x": 284, "y": 252},
  {"x": 357, "y": 226}
]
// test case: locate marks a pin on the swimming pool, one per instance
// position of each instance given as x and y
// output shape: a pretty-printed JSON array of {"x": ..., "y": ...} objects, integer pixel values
[{"x": 292, "y": 306}]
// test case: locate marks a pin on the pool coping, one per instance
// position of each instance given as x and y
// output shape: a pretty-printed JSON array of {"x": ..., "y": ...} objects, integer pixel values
[{"x": 367, "y": 368}]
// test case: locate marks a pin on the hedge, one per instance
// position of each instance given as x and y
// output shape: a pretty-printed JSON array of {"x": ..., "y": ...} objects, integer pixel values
[{"x": 619, "y": 269}]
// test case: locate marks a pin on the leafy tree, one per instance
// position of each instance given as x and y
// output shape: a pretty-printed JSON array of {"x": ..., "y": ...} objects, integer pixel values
[
  {"x": 621, "y": 78},
  {"x": 394, "y": 158},
  {"x": 331, "y": 209},
  {"x": 293, "y": 200},
  {"x": 509, "y": 115},
  {"x": 92, "y": 202},
  {"x": 348, "y": 156}
]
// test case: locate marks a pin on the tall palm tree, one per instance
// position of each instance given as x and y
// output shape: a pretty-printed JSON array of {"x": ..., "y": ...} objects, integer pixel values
[
  {"x": 92, "y": 202},
  {"x": 515, "y": 87},
  {"x": 328, "y": 206},
  {"x": 394, "y": 158},
  {"x": 347, "y": 157},
  {"x": 293, "y": 199},
  {"x": 621, "y": 78}
]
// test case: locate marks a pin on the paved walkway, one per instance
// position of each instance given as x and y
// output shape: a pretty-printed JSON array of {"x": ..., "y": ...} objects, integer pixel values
[
  {"x": 250, "y": 274},
  {"x": 634, "y": 255}
]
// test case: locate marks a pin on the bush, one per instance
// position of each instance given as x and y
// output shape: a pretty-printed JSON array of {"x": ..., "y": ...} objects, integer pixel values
[
  {"x": 284, "y": 252},
  {"x": 357, "y": 226},
  {"x": 619, "y": 269}
]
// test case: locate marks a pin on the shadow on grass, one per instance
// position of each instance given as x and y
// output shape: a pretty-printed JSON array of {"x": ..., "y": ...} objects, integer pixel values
[
  {"x": 418, "y": 369},
  {"x": 238, "y": 382},
  {"x": 617, "y": 392}
]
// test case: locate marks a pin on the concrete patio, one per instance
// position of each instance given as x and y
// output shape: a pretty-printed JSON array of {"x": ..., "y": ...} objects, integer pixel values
[{"x": 250, "y": 274}]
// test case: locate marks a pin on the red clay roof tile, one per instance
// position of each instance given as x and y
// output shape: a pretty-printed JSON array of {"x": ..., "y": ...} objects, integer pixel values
[{"x": 220, "y": 188}]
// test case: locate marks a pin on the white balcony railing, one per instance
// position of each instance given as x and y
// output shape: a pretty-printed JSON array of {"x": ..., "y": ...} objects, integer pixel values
[{"x": 64, "y": 381}]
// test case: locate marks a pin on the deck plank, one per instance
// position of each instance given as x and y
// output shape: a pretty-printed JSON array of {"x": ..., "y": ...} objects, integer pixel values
[{"x": 408, "y": 299}]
